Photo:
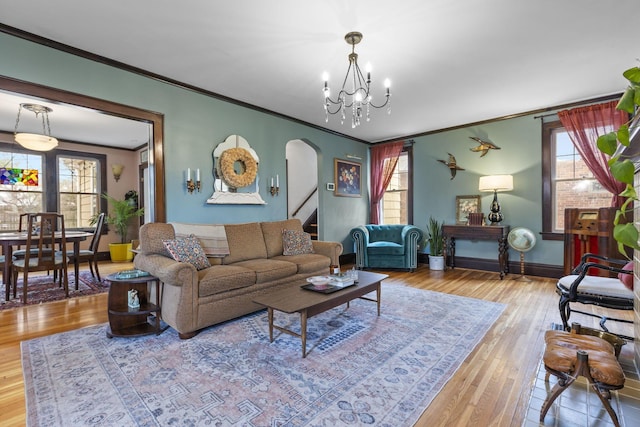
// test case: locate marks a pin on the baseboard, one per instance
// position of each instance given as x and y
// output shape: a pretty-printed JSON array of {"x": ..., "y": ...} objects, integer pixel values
[{"x": 531, "y": 269}]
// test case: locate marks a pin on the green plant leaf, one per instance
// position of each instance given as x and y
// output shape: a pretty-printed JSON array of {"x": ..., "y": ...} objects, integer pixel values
[
  {"x": 627, "y": 103},
  {"x": 627, "y": 235},
  {"x": 632, "y": 74},
  {"x": 623, "y": 135},
  {"x": 608, "y": 143},
  {"x": 630, "y": 193},
  {"x": 623, "y": 171}
]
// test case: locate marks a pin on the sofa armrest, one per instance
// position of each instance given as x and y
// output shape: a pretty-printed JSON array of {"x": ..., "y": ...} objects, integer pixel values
[
  {"x": 333, "y": 250},
  {"x": 360, "y": 236},
  {"x": 411, "y": 236},
  {"x": 166, "y": 269}
]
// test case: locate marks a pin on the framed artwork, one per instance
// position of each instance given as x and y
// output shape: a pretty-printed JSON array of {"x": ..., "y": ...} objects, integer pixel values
[
  {"x": 144, "y": 156},
  {"x": 347, "y": 178},
  {"x": 464, "y": 206}
]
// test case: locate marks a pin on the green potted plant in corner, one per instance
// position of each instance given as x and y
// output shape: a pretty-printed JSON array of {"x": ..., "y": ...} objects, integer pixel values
[
  {"x": 119, "y": 216},
  {"x": 615, "y": 144},
  {"x": 436, "y": 244}
]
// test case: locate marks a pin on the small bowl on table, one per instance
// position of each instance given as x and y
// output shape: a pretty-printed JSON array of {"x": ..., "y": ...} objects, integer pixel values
[{"x": 319, "y": 282}]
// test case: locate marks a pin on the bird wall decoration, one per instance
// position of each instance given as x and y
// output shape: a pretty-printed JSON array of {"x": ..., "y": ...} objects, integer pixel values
[
  {"x": 484, "y": 146},
  {"x": 452, "y": 165}
]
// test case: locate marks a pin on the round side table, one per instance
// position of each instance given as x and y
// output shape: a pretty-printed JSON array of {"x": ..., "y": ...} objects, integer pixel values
[{"x": 125, "y": 321}]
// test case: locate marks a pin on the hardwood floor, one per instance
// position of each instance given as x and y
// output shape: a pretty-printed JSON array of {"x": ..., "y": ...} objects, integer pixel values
[{"x": 491, "y": 388}]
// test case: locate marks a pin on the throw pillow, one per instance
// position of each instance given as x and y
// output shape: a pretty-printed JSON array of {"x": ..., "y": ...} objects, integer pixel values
[
  {"x": 296, "y": 243},
  {"x": 627, "y": 279},
  {"x": 187, "y": 249}
]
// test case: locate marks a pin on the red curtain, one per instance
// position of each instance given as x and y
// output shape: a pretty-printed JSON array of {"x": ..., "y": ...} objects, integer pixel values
[
  {"x": 584, "y": 125},
  {"x": 384, "y": 158}
]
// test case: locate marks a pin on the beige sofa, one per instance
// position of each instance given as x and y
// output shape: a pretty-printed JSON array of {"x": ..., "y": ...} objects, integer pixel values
[{"x": 193, "y": 300}]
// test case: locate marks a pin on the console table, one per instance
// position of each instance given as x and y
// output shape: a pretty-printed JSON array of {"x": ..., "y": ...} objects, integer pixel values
[{"x": 472, "y": 232}]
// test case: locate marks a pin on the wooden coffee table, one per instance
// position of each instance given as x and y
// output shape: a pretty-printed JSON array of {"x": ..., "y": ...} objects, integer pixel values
[{"x": 294, "y": 299}]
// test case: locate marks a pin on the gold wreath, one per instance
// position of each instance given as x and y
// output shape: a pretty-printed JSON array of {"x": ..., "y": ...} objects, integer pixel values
[{"x": 228, "y": 158}]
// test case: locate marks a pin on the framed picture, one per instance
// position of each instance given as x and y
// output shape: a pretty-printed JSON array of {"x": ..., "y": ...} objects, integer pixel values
[
  {"x": 464, "y": 206},
  {"x": 347, "y": 178},
  {"x": 144, "y": 156}
]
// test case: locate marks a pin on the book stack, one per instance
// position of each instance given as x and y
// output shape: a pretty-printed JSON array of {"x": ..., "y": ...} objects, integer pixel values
[{"x": 341, "y": 280}]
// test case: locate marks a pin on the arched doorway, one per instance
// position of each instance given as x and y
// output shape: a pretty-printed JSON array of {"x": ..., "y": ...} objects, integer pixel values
[{"x": 302, "y": 184}]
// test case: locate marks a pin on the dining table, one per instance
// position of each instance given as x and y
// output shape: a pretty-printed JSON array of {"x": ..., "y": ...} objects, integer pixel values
[{"x": 18, "y": 238}]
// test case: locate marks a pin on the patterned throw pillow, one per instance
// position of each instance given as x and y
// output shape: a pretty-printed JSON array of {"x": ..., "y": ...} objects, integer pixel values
[
  {"x": 187, "y": 249},
  {"x": 296, "y": 242}
]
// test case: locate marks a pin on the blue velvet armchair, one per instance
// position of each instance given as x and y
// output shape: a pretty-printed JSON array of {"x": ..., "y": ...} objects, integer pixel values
[{"x": 386, "y": 246}]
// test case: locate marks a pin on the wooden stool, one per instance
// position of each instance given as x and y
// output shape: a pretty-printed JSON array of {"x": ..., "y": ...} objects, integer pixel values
[{"x": 569, "y": 355}]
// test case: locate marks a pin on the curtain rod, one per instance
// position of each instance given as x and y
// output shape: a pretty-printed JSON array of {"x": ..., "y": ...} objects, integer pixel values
[{"x": 576, "y": 104}]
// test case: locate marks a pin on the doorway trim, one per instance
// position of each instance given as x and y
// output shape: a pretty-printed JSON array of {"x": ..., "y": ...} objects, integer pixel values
[{"x": 156, "y": 120}]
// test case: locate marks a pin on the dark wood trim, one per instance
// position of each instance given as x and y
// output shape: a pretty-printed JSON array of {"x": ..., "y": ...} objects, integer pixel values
[
  {"x": 64, "y": 97},
  {"x": 126, "y": 67},
  {"x": 547, "y": 162},
  {"x": 611, "y": 97},
  {"x": 531, "y": 269}
]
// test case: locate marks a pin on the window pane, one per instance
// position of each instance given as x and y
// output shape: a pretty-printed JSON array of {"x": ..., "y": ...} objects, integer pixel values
[
  {"x": 394, "y": 201},
  {"x": 78, "y": 183},
  {"x": 21, "y": 187},
  {"x": 573, "y": 183}
]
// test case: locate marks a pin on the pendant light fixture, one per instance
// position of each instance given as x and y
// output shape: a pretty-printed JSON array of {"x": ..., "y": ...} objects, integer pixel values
[{"x": 36, "y": 141}]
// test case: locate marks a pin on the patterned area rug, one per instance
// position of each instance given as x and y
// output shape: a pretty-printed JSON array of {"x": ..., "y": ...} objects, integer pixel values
[
  {"x": 43, "y": 289},
  {"x": 361, "y": 369}
]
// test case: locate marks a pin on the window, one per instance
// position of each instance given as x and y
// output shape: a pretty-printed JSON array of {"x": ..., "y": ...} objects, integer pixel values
[
  {"x": 21, "y": 186},
  {"x": 29, "y": 184},
  {"x": 396, "y": 202},
  {"x": 78, "y": 190},
  {"x": 567, "y": 182}
]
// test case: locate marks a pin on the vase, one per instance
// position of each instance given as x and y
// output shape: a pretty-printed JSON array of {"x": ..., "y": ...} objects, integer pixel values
[
  {"x": 120, "y": 252},
  {"x": 436, "y": 262}
]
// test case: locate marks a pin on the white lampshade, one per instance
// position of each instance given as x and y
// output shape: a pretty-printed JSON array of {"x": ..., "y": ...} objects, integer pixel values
[
  {"x": 36, "y": 142},
  {"x": 496, "y": 183}
]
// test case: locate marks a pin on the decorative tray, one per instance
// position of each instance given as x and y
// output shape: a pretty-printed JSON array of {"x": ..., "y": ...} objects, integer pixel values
[
  {"x": 131, "y": 274},
  {"x": 325, "y": 289},
  {"x": 325, "y": 284}
]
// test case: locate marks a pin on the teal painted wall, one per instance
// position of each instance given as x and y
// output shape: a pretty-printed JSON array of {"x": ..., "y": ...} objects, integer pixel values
[
  {"x": 520, "y": 155},
  {"x": 195, "y": 124}
]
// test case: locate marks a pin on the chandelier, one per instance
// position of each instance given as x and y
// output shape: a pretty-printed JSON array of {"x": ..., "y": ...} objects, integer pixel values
[
  {"x": 354, "y": 94},
  {"x": 35, "y": 141}
]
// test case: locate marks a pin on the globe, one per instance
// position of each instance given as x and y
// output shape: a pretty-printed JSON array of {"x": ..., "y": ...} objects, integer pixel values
[{"x": 521, "y": 239}]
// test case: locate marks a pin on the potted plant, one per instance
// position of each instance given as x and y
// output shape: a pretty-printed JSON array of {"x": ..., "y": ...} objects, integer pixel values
[
  {"x": 120, "y": 215},
  {"x": 436, "y": 244},
  {"x": 622, "y": 167}
]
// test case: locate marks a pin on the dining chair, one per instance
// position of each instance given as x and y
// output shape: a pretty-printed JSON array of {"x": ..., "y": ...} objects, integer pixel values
[
  {"x": 90, "y": 255},
  {"x": 44, "y": 229}
]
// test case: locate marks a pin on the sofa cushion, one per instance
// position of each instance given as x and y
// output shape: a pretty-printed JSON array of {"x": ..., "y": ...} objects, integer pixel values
[
  {"x": 385, "y": 248},
  {"x": 223, "y": 278},
  {"x": 296, "y": 242},
  {"x": 268, "y": 270},
  {"x": 307, "y": 263},
  {"x": 245, "y": 242},
  {"x": 187, "y": 249},
  {"x": 272, "y": 232}
]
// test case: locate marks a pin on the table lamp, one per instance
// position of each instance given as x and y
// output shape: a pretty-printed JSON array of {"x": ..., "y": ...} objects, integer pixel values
[{"x": 495, "y": 183}]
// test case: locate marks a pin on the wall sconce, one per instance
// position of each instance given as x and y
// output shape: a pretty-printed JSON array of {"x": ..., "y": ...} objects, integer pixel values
[
  {"x": 274, "y": 190},
  {"x": 117, "y": 171},
  {"x": 495, "y": 183},
  {"x": 191, "y": 185}
]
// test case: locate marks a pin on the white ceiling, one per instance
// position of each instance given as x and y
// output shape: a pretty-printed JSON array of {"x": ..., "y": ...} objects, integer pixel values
[{"x": 449, "y": 62}]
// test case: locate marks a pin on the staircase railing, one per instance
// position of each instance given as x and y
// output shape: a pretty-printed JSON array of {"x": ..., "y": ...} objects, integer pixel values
[{"x": 315, "y": 190}]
